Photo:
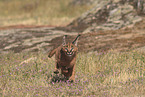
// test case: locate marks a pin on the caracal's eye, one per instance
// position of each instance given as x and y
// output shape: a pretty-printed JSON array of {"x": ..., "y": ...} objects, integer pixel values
[{"x": 72, "y": 49}]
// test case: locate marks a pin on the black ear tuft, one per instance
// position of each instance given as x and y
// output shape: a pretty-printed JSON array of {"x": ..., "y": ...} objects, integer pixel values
[{"x": 76, "y": 40}]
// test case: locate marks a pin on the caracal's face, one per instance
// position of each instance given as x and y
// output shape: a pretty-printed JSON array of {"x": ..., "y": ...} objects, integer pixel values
[{"x": 69, "y": 49}]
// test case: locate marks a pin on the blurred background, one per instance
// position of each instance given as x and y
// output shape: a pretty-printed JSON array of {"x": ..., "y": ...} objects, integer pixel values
[{"x": 41, "y": 12}]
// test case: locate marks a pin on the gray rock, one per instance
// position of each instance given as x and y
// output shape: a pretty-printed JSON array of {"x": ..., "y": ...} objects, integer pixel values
[{"x": 106, "y": 15}]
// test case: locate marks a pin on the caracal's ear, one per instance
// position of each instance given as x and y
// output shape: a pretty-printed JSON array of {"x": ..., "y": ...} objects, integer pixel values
[
  {"x": 76, "y": 40},
  {"x": 63, "y": 41}
]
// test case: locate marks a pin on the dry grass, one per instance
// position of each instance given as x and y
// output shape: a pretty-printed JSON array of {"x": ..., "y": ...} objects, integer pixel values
[
  {"x": 38, "y": 12},
  {"x": 111, "y": 74}
]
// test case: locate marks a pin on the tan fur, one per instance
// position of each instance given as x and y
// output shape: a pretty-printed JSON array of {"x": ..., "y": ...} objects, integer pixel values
[{"x": 65, "y": 57}]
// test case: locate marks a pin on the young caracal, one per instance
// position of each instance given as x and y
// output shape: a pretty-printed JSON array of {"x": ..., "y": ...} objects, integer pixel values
[{"x": 65, "y": 56}]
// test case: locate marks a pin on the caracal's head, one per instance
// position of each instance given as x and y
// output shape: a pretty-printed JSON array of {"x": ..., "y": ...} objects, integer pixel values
[{"x": 70, "y": 48}]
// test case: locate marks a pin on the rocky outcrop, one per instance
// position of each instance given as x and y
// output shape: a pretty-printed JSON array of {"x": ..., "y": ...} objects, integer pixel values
[
  {"x": 46, "y": 38},
  {"x": 107, "y": 15},
  {"x": 29, "y": 39}
]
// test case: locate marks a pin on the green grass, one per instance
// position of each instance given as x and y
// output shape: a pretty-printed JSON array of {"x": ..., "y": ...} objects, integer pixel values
[
  {"x": 39, "y": 12},
  {"x": 111, "y": 74}
]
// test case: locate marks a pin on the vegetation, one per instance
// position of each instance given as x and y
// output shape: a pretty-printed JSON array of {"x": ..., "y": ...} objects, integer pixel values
[
  {"x": 112, "y": 74},
  {"x": 39, "y": 12}
]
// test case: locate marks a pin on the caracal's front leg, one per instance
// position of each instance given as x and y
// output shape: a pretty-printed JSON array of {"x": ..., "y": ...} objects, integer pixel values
[
  {"x": 56, "y": 70},
  {"x": 72, "y": 74}
]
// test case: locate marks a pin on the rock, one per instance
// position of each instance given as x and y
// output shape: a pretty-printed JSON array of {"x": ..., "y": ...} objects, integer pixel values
[
  {"x": 45, "y": 39},
  {"x": 106, "y": 15},
  {"x": 29, "y": 39}
]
